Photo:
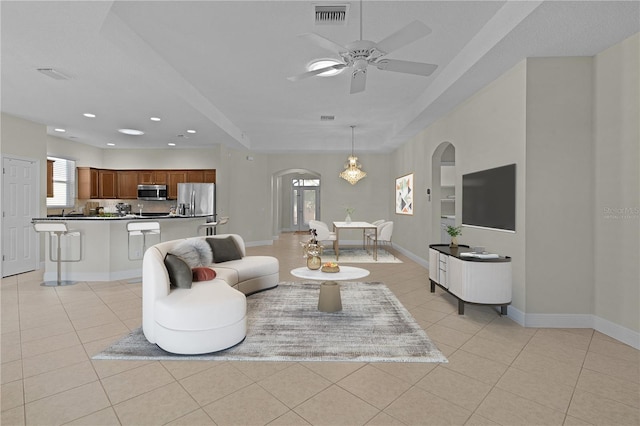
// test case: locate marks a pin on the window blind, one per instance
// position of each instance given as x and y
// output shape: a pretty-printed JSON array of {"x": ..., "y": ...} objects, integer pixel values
[{"x": 64, "y": 183}]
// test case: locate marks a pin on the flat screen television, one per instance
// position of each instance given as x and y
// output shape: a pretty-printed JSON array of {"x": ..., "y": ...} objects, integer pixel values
[{"x": 489, "y": 198}]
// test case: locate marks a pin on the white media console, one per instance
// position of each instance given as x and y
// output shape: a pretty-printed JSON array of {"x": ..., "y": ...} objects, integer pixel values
[{"x": 481, "y": 279}]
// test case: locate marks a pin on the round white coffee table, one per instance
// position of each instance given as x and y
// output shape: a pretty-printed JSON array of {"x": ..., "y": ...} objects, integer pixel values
[
  {"x": 345, "y": 273},
  {"x": 329, "y": 299}
]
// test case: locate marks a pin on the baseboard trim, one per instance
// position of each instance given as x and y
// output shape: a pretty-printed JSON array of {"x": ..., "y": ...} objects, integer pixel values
[
  {"x": 95, "y": 276},
  {"x": 613, "y": 330},
  {"x": 258, "y": 243},
  {"x": 422, "y": 262}
]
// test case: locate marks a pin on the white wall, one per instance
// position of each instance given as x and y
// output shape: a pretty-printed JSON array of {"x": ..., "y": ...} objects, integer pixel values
[
  {"x": 83, "y": 154},
  {"x": 617, "y": 185},
  {"x": 122, "y": 159},
  {"x": 372, "y": 197},
  {"x": 559, "y": 186},
  {"x": 571, "y": 125},
  {"x": 488, "y": 130}
]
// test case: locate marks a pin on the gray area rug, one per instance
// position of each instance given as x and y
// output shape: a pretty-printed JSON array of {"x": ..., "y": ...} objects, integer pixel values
[
  {"x": 284, "y": 324},
  {"x": 358, "y": 255}
]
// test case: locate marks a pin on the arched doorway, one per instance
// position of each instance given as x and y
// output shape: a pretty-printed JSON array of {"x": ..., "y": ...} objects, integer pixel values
[
  {"x": 443, "y": 167},
  {"x": 296, "y": 199}
]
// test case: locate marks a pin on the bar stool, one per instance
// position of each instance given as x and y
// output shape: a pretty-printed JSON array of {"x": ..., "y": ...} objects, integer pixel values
[
  {"x": 59, "y": 229},
  {"x": 210, "y": 227},
  {"x": 137, "y": 228}
]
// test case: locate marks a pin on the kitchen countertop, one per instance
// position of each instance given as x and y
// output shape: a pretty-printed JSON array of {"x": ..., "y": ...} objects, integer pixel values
[{"x": 112, "y": 218}]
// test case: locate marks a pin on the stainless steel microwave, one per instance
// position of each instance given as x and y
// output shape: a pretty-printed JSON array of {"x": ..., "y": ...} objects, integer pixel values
[{"x": 152, "y": 192}]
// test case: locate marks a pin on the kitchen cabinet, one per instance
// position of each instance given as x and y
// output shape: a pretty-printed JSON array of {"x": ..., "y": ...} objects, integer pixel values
[
  {"x": 123, "y": 184},
  {"x": 210, "y": 176},
  {"x": 175, "y": 177},
  {"x": 152, "y": 177},
  {"x": 50, "y": 178},
  {"x": 87, "y": 183},
  {"x": 107, "y": 184},
  {"x": 195, "y": 176},
  {"x": 127, "y": 184}
]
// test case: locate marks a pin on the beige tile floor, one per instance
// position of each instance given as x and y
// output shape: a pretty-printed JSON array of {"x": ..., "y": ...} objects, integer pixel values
[{"x": 498, "y": 372}]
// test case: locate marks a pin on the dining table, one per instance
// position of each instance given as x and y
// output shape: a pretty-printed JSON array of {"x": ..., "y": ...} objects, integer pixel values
[{"x": 338, "y": 226}]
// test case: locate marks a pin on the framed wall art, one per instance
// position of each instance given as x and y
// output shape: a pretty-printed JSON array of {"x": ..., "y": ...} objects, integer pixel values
[{"x": 404, "y": 194}]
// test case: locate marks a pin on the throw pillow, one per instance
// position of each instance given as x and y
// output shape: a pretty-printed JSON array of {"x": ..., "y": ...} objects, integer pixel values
[
  {"x": 224, "y": 249},
  {"x": 180, "y": 274},
  {"x": 195, "y": 252},
  {"x": 187, "y": 252},
  {"x": 204, "y": 251},
  {"x": 203, "y": 274}
]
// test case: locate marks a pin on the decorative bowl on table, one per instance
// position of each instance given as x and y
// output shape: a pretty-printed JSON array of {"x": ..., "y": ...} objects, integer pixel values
[{"x": 330, "y": 267}]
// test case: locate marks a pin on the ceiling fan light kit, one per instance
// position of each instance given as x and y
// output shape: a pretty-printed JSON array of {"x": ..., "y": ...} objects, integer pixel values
[
  {"x": 352, "y": 172},
  {"x": 359, "y": 54}
]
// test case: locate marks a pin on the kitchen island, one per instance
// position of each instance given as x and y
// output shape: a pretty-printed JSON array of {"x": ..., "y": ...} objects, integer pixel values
[{"x": 104, "y": 248}]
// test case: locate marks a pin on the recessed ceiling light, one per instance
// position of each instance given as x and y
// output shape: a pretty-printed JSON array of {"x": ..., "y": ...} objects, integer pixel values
[
  {"x": 111, "y": 144},
  {"x": 59, "y": 130},
  {"x": 171, "y": 144},
  {"x": 89, "y": 115},
  {"x": 323, "y": 63},
  {"x": 132, "y": 132},
  {"x": 155, "y": 119},
  {"x": 191, "y": 131}
]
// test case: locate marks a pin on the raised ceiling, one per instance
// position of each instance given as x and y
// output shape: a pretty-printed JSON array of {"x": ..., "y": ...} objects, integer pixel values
[{"x": 220, "y": 67}]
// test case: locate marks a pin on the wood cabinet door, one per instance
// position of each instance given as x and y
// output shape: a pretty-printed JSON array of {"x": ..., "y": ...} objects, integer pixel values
[
  {"x": 195, "y": 176},
  {"x": 87, "y": 183},
  {"x": 175, "y": 177},
  {"x": 210, "y": 176},
  {"x": 107, "y": 184},
  {"x": 127, "y": 184},
  {"x": 94, "y": 184},
  {"x": 50, "y": 178},
  {"x": 160, "y": 177},
  {"x": 152, "y": 177},
  {"x": 146, "y": 177}
]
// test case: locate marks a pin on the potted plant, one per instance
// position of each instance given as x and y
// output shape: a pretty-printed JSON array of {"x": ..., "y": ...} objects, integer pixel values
[
  {"x": 349, "y": 211},
  {"x": 454, "y": 232}
]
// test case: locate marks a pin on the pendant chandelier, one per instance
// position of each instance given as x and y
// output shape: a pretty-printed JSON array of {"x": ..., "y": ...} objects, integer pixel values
[{"x": 352, "y": 172}]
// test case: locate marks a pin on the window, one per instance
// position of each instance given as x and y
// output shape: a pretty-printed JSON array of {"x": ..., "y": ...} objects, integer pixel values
[
  {"x": 64, "y": 183},
  {"x": 306, "y": 182}
]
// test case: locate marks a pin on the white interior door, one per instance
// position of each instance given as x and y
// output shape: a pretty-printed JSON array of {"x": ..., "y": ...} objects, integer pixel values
[{"x": 19, "y": 206}]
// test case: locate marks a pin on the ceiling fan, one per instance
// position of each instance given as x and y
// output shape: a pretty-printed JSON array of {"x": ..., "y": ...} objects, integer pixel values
[{"x": 362, "y": 53}]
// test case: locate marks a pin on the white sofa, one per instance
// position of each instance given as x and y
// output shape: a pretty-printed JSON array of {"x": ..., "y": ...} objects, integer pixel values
[{"x": 211, "y": 315}]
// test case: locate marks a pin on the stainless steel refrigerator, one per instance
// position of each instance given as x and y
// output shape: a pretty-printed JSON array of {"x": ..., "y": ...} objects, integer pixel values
[{"x": 197, "y": 199}]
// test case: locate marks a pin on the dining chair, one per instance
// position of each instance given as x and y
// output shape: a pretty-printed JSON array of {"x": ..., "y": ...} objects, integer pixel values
[
  {"x": 385, "y": 232},
  {"x": 322, "y": 231}
]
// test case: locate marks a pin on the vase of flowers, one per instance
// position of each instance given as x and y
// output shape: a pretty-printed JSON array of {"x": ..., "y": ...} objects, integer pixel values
[
  {"x": 454, "y": 232},
  {"x": 350, "y": 211},
  {"x": 312, "y": 250}
]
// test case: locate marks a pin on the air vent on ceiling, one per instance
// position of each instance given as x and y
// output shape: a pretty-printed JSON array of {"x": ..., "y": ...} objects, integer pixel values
[
  {"x": 331, "y": 14},
  {"x": 55, "y": 74},
  {"x": 327, "y": 117}
]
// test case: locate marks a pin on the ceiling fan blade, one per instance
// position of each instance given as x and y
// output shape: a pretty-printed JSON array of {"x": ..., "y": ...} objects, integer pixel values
[
  {"x": 324, "y": 42},
  {"x": 404, "y": 36},
  {"x": 315, "y": 72},
  {"x": 408, "y": 67},
  {"x": 358, "y": 81}
]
